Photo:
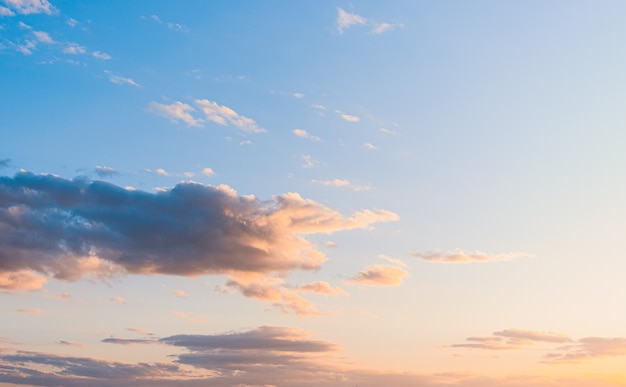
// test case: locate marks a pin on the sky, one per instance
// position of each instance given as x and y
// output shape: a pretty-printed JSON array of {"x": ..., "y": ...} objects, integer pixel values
[{"x": 323, "y": 193}]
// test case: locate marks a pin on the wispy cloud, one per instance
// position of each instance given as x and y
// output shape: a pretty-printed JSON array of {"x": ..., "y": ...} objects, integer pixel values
[
  {"x": 224, "y": 115},
  {"x": 104, "y": 172},
  {"x": 304, "y": 134},
  {"x": 176, "y": 111},
  {"x": 342, "y": 183},
  {"x": 511, "y": 339},
  {"x": 369, "y": 146},
  {"x": 388, "y": 131},
  {"x": 393, "y": 261},
  {"x": 171, "y": 25},
  {"x": 33, "y": 311},
  {"x": 459, "y": 256},
  {"x": 101, "y": 55},
  {"x": 43, "y": 37},
  {"x": 119, "y": 300},
  {"x": 379, "y": 275},
  {"x": 309, "y": 162},
  {"x": 70, "y": 343},
  {"x": 119, "y": 80},
  {"x": 4, "y": 11},
  {"x": 588, "y": 348},
  {"x": 179, "y": 293},
  {"x": 321, "y": 287},
  {"x": 348, "y": 117},
  {"x": 74, "y": 49},
  {"x": 347, "y": 20}
]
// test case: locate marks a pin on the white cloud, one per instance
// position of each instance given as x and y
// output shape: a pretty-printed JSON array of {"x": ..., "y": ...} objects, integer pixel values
[
  {"x": 4, "y": 11},
  {"x": 26, "y": 48},
  {"x": 72, "y": 22},
  {"x": 346, "y": 20},
  {"x": 394, "y": 261},
  {"x": 24, "y": 26},
  {"x": 224, "y": 115},
  {"x": 119, "y": 80},
  {"x": 308, "y": 162},
  {"x": 27, "y": 7},
  {"x": 369, "y": 146},
  {"x": 459, "y": 256},
  {"x": 171, "y": 25},
  {"x": 298, "y": 95},
  {"x": 388, "y": 131},
  {"x": 348, "y": 117},
  {"x": 43, "y": 37},
  {"x": 101, "y": 55},
  {"x": 177, "y": 111},
  {"x": 162, "y": 172},
  {"x": 74, "y": 49},
  {"x": 342, "y": 183},
  {"x": 208, "y": 171},
  {"x": 304, "y": 134}
]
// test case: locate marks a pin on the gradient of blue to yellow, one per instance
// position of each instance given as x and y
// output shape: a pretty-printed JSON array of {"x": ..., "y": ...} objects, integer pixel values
[{"x": 278, "y": 193}]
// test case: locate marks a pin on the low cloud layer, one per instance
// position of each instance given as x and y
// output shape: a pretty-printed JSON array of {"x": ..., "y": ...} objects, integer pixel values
[
  {"x": 460, "y": 256},
  {"x": 72, "y": 228}
]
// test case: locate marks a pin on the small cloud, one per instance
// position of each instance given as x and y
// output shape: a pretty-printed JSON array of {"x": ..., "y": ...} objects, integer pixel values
[
  {"x": 331, "y": 245},
  {"x": 245, "y": 142},
  {"x": 62, "y": 297},
  {"x": 177, "y": 111},
  {"x": 208, "y": 171},
  {"x": 24, "y": 26},
  {"x": 348, "y": 117},
  {"x": 384, "y": 27},
  {"x": 379, "y": 275},
  {"x": 342, "y": 183},
  {"x": 308, "y": 162},
  {"x": 119, "y": 300},
  {"x": 224, "y": 115},
  {"x": 304, "y": 134},
  {"x": 33, "y": 311},
  {"x": 101, "y": 55},
  {"x": 459, "y": 256},
  {"x": 43, "y": 37},
  {"x": 161, "y": 172},
  {"x": 22, "y": 280},
  {"x": 71, "y": 343},
  {"x": 170, "y": 25},
  {"x": 346, "y": 20},
  {"x": 298, "y": 95},
  {"x": 388, "y": 131},
  {"x": 322, "y": 287},
  {"x": 74, "y": 49},
  {"x": 394, "y": 261},
  {"x": 4, "y": 11},
  {"x": 26, "y": 48},
  {"x": 72, "y": 22},
  {"x": 369, "y": 146},
  {"x": 180, "y": 293},
  {"x": 118, "y": 80},
  {"x": 104, "y": 172},
  {"x": 141, "y": 331},
  {"x": 189, "y": 174}
]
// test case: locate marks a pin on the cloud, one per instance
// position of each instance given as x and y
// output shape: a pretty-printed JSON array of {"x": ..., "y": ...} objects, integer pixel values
[
  {"x": 304, "y": 134},
  {"x": 4, "y": 163},
  {"x": 75, "y": 49},
  {"x": 298, "y": 95},
  {"x": 43, "y": 37},
  {"x": 71, "y": 344},
  {"x": 73, "y": 228},
  {"x": 119, "y": 300},
  {"x": 180, "y": 293},
  {"x": 171, "y": 25},
  {"x": 393, "y": 261},
  {"x": 161, "y": 172},
  {"x": 309, "y": 162},
  {"x": 141, "y": 331},
  {"x": 33, "y": 311},
  {"x": 342, "y": 183},
  {"x": 388, "y": 131},
  {"x": 511, "y": 339},
  {"x": 321, "y": 287},
  {"x": 224, "y": 115},
  {"x": 177, "y": 111},
  {"x": 348, "y": 117},
  {"x": 103, "y": 172},
  {"x": 208, "y": 171},
  {"x": 72, "y": 22},
  {"x": 4, "y": 11},
  {"x": 118, "y": 80},
  {"x": 27, "y": 7},
  {"x": 459, "y": 256},
  {"x": 21, "y": 280},
  {"x": 369, "y": 146},
  {"x": 101, "y": 55},
  {"x": 589, "y": 348},
  {"x": 379, "y": 275},
  {"x": 346, "y": 20}
]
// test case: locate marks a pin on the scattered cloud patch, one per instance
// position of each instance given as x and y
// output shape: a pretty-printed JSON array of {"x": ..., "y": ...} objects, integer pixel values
[
  {"x": 43, "y": 37},
  {"x": 171, "y": 25},
  {"x": 119, "y": 300},
  {"x": 208, "y": 171},
  {"x": 346, "y": 20},
  {"x": 4, "y": 11},
  {"x": 388, "y": 131},
  {"x": 513, "y": 339},
  {"x": 348, "y": 117},
  {"x": 70, "y": 343},
  {"x": 161, "y": 172},
  {"x": 321, "y": 287},
  {"x": 21, "y": 280},
  {"x": 224, "y": 115},
  {"x": 298, "y": 95},
  {"x": 179, "y": 293},
  {"x": 177, "y": 111},
  {"x": 459, "y": 256},
  {"x": 369, "y": 146},
  {"x": 74, "y": 49},
  {"x": 588, "y": 348},
  {"x": 342, "y": 183},
  {"x": 309, "y": 162},
  {"x": 379, "y": 275},
  {"x": 119, "y": 80},
  {"x": 101, "y": 55},
  {"x": 393, "y": 261},
  {"x": 304, "y": 134},
  {"x": 72, "y": 22}
]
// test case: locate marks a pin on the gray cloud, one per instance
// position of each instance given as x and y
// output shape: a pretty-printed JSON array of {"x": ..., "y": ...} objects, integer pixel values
[{"x": 72, "y": 228}]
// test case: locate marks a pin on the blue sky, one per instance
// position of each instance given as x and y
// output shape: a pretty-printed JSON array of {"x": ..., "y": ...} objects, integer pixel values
[{"x": 312, "y": 193}]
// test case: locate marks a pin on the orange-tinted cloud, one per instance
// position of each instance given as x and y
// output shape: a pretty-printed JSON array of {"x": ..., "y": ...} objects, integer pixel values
[
  {"x": 380, "y": 275},
  {"x": 459, "y": 256}
]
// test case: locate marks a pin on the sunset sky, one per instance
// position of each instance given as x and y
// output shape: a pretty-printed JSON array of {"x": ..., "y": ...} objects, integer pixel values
[{"x": 322, "y": 193}]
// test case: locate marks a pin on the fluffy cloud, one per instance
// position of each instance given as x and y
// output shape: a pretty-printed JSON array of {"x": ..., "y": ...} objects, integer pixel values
[
  {"x": 224, "y": 115},
  {"x": 348, "y": 117},
  {"x": 459, "y": 256},
  {"x": 27, "y": 7},
  {"x": 177, "y": 111},
  {"x": 72, "y": 228},
  {"x": 346, "y": 20},
  {"x": 380, "y": 275},
  {"x": 23, "y": 280},
  {"x": 43, "y": 37}
]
